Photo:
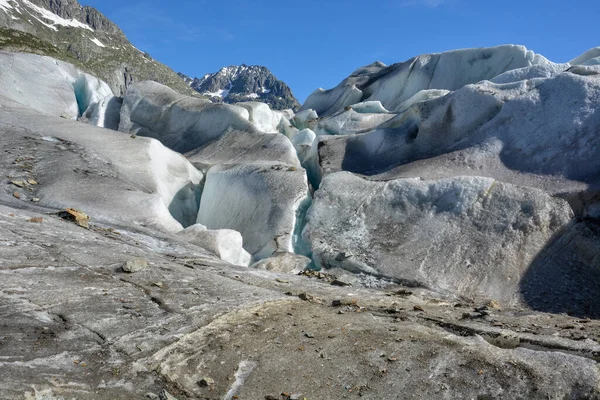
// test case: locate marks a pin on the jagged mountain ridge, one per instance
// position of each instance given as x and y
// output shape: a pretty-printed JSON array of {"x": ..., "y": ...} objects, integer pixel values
[
  {"x": 234, "y": 84},
  {"x": 81, "y": 35}
]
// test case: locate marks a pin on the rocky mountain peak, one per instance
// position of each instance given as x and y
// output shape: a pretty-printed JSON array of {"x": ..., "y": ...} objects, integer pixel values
[{"x": 237, "y": 83}]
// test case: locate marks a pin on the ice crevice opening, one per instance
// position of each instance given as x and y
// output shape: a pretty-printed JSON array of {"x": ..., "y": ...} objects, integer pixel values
[{"x": 96, "y": 103}]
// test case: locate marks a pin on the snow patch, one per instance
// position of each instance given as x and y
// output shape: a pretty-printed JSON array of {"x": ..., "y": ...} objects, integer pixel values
[
  {"x": 97, "y": 42},
  {"x": 50, "y": 16},
  {"x": 5, "y": 5},
  {"x": 222, "y": 93}
]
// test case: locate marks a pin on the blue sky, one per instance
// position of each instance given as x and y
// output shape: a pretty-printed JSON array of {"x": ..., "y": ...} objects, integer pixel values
[{"x": 317, "y": 43}]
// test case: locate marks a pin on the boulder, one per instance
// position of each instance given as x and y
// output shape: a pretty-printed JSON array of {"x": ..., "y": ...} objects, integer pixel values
[{"x": 284, "y": 262}]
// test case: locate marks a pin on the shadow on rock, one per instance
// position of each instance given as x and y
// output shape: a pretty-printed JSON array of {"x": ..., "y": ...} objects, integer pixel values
[
  {"x": 565, "y": 276},
  {"x": 185, "y": 204}
]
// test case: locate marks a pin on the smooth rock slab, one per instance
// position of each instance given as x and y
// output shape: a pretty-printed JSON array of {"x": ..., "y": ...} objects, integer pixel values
[{"x": 471, "y": 236}]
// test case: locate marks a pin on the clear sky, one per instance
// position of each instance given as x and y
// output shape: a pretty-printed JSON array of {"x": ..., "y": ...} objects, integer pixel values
[{"x": 317, "y": 43}]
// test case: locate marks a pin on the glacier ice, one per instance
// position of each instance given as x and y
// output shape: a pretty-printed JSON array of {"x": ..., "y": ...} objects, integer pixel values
[
  {"x": 57, "y": 88},
  {"x": 399, "y": 82},
  {"x": 470, "y": 236},
  {"x": 108, "y": 175},
  {"x": 225, "y": 243},
  {"x": 258, "y": 200}
]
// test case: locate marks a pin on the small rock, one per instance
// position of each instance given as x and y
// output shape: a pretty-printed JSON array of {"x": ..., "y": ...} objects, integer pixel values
[
  {"x": 158, "y": 284},
  {"x": 17, "y": 195},
  {"x": 337, "y": 282},
  {"x": 336, "y": 303},
  {"x": 164, "y": 395},
  {"x": 35, "y": 200},
  {"x": 18, "y": 183},
  {"x": 32, "y": 181},
  {"x": 297, "y": 396},
  {"x": 309, "y": 335},
  {"x": 472, "y": 315},
  {"x": 403, "y": 293},
  {"x": 418, "y": 308},
  {"x": 79, "y": 217},
  {"x": 343, "y": 256},
  {"x": 392, "y": 359},
  {"x": 37, "y": 220},
  {"x": 135, "y": 265},
  {"x": 282, "y": 280},
  {"x": 206, "y": 382},
  {"x": 152, "y": 396},
  {"x": 269, "y": 397},
  {"x": 304, "y": 296}
]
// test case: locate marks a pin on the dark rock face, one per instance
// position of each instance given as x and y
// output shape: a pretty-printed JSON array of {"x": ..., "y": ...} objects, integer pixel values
[{"x": 244, "y": 83}]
